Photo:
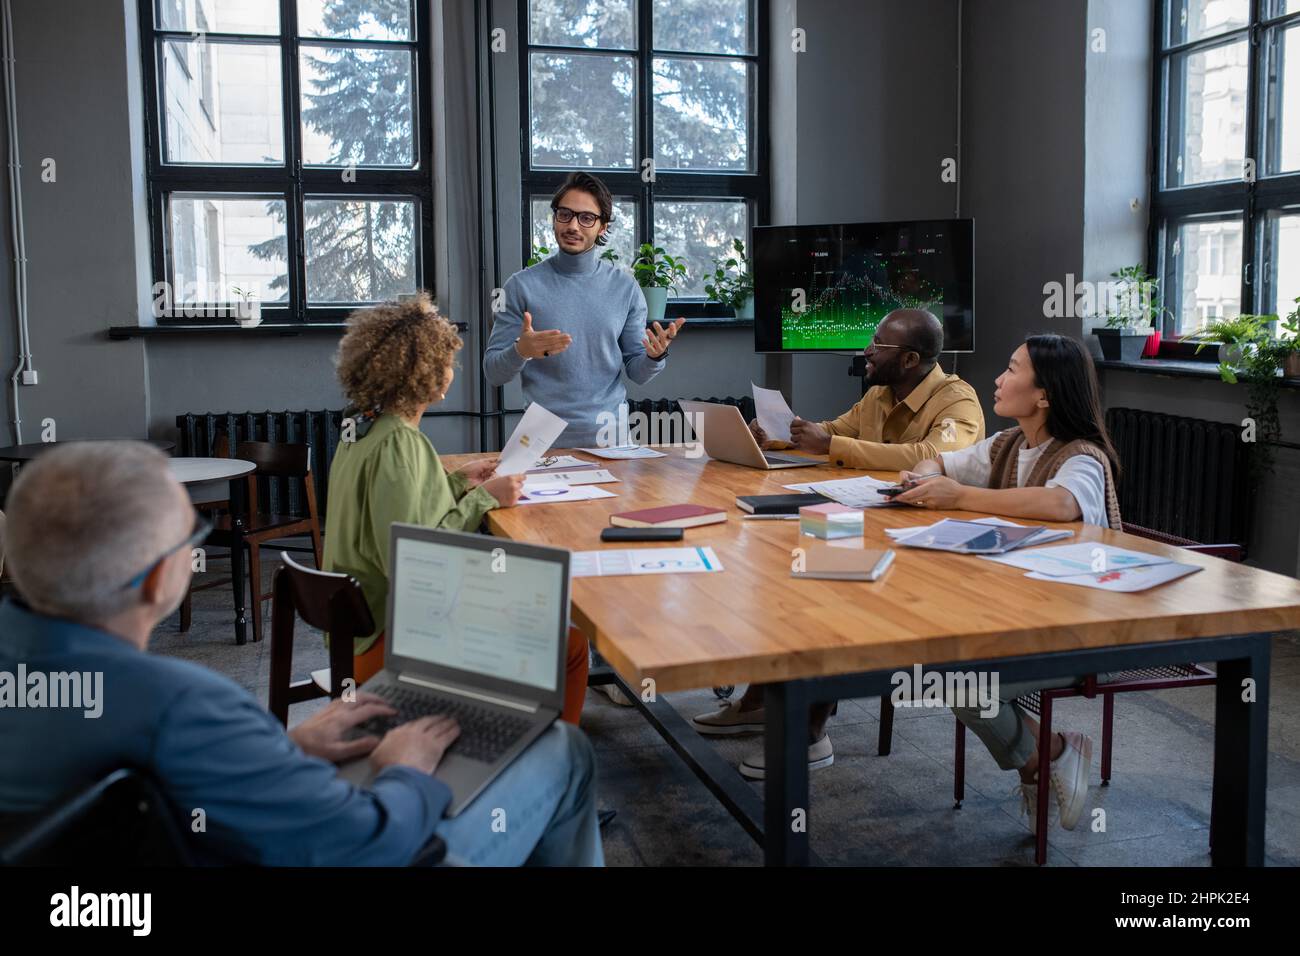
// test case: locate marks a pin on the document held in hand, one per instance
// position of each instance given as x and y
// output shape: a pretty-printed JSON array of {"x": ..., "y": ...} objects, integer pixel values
[
  {"x": 774, "y": 414},
  {"x": 531, "y": 439}
]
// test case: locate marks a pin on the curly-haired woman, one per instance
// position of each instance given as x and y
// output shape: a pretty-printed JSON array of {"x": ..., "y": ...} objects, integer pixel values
[{"x": 395, "y": 361}]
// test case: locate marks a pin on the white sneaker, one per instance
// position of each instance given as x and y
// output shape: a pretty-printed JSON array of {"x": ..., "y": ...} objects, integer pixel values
[
  {"x": 1070, "y": 777},
  {"x": 1028, "y": 793},
  {"x": 729, "y": 719},
  {"x": 615, "y": 693},
  {"x": 820, "y": 754}
]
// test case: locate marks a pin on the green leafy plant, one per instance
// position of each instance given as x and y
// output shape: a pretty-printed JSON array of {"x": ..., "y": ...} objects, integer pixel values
[
  {"x": 1260, "y": 370},
  {"x": 1134, "y": 300},
  {"x": 655, "y": 268},
  {"x": 609, "y": 255},
  {"x": 731, "y": 283},
  {"x": 1290, "y": 342},
  {"x": 540, "y": 252},
  {"x": 1249, "y": 333}
]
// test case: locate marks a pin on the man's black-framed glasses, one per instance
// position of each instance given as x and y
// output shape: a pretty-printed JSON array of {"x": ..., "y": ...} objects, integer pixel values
[
  {"x": 202, "y": 528},
  {"x": 563, "y": 214}
]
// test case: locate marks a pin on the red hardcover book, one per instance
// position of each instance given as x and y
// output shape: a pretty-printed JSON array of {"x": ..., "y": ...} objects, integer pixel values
[{"x": 669, "y": 516}]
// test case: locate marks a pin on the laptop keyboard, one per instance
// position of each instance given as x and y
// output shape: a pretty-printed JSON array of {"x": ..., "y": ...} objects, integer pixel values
[{"x": 485, "y": 733}]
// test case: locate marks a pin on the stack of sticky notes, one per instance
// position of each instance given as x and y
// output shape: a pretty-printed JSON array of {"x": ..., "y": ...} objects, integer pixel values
[{"x": 830, "y": 520}]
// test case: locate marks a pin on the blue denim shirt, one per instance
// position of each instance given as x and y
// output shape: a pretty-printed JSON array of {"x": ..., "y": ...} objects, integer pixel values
[{"x": 209, "y": 745}]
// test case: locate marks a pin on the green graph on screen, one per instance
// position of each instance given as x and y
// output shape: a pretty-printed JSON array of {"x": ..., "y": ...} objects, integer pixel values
[{"x": 844, "y": 313}]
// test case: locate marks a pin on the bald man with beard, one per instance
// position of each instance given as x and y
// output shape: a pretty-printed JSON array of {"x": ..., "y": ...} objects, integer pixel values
[{"x": 912, "y": 409}]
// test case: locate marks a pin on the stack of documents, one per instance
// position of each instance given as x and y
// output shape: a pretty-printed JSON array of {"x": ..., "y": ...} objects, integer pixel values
[
  {"x": 1101, "y": 566},
  {"x": 622, "y": 452},
  {"x": 861, "y": 492},
  {"x": 981, "y": 536}
]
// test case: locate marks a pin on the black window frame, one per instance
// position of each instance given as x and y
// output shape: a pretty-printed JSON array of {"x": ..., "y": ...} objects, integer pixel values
[
  {"x": 293, "y": 182},
  {"x": 1249, "y": 201},
  {"x": 753, "y": 188}
]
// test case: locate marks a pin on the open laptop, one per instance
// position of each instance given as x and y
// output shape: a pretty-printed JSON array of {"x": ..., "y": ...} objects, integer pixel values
[
  {"x": 726, "y": 437},
  {"x": 477, "y": 629}
]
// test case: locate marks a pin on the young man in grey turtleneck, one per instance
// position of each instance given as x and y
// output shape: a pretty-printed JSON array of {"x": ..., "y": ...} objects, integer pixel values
[{"x": 573, "y": 323}]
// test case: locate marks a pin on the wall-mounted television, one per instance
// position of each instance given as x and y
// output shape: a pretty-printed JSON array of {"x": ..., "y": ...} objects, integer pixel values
[{"x": 825, "y": 288}]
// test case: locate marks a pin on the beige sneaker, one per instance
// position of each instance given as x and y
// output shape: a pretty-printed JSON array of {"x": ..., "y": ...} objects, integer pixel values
[
  {"x": 1070, "y": 777},
  {"x": 614, "y": 693},
  {"x": 820, "y": 754},
  {"x": 727, "y": 720}
]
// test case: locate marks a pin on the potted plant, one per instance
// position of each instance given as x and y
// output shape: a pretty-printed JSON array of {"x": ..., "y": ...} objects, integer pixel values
[
  {"x": 539, "y": 253},
  {"x": 248, "y": 311},
  {"x": 734, "y": 288},
  {"x": 1289, "y": 346},
  {"x": 1134, "y": 309},
  {"x": 657, "y": 273},
  {"x": 1236, "y": 338}
]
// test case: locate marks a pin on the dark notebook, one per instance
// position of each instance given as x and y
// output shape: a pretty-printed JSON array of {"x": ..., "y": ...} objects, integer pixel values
[{"x": 778, "y": 504}]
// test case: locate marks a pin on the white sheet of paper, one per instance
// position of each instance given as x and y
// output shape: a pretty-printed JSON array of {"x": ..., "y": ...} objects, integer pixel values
[
  {"x": 597, "y": 476},
  {"x": 861, "y": 492},
  {"x": 1084, "y": 558},
  {"x": 774, "y": 414},
  {"x": 595, "y": 564},
  {"x": 899, "y": 533},
  {"x": 531, "y": 439},
  {"x": 622, "y": 452},
  {"x": 547, "y": 493},
  {"x": 559, "y": 463},
  {"x": 1127, "y": 579}
]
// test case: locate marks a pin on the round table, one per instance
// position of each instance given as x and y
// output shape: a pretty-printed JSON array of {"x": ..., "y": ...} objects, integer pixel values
[
  {"x": 21, "y": 453},
  {"x": 194, "y": 471},
  {"x": 198, "y": 471}
]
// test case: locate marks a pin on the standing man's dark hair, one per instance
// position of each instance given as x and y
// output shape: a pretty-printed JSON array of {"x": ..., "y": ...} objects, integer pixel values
[{"x": 598, "y": 191}]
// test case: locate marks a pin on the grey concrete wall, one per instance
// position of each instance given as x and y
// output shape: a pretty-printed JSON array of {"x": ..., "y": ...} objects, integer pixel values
[{"x": 1022, "y": 168}]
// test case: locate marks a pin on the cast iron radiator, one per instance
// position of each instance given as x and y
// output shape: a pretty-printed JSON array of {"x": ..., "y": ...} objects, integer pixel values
[
  {"x": 318, "y": 430},
  {"x": 1182, "y": 476},
  {"x": 671, "y": 420}
]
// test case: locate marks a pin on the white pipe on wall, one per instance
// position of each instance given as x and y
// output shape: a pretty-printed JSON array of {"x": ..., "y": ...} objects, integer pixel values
[{"x": 24, "y": 363}]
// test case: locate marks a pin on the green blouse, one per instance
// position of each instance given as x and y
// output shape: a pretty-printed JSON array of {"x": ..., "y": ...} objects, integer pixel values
[{"x": 391, "y": 474}]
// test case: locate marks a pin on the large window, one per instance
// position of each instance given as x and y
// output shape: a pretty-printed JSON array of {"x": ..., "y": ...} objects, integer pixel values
[
  {"x": 288, "y": 155},
  {"x": 1226, "y": 210},
  {"x": 665, "y": 101}
]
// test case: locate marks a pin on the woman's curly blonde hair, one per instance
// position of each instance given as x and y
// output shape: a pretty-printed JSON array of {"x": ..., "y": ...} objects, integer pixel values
[{"x": 394, "y": 357}]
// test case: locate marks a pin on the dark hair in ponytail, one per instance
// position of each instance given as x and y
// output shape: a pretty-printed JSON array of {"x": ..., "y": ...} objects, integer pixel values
[{"x": 1064, "y": 370}]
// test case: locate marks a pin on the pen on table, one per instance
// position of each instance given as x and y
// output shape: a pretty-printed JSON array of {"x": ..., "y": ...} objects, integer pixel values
[{"x": 770, "y": 517}]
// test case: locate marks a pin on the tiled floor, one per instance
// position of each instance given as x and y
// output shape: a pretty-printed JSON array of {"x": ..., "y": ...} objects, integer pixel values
[{"x": 895, "y": 810}]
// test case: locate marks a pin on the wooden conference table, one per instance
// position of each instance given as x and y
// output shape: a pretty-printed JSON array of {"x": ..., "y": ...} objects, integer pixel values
[{"x": 825, "y": 640}]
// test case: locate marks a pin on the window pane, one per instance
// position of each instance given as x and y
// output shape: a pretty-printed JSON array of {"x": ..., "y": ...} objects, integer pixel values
[
  {"x": 355, "y": 19},
  {"x": 699, "y": 231},
  {"x": 218, "y": 16},
  {"x": 217, "y": 245},
  {"x": 1208, "y": 115},
  {"x": 222, "y": 102},
  {"x": 1196, "y": 19},
  {"x": 1282, "y": 115},
  {"x": 607, "y": 23},
  {"x": 622, "y": 231},
  {"x": 1281, "y": 258},
  {"x": 360, "y": 250},
  {"x": 701, "y": 114},
  {"x": 582, "y": 110},
  {"x": 1206, "y": 263},
  {"x": 356, "y": 107},
  {"x": 1277, "y": 8},
  {"x": 703, "y": 26}
]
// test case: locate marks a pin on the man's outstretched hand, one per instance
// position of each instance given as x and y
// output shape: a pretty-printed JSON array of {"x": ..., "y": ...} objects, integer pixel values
[
  {"x": 657, "y": 339},
  {"x": 541, "y": 344}
]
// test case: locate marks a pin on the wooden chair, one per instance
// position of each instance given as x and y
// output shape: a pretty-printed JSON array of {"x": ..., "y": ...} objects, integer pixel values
[
  {"x": 328, "y": 601},
  {"x": 254, "y": 528},
  {"x": 1040, "y": 703}
]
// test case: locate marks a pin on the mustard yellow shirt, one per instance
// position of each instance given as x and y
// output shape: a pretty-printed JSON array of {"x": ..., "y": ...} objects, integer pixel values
[
  {"x": 390, "y": 474},
  {"x": 880, "y": 433}
]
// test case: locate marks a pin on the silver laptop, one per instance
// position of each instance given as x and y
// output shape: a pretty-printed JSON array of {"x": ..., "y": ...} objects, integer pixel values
[
  {"x": 726, "y": 437},
  {"x": 477, "y": 629}
]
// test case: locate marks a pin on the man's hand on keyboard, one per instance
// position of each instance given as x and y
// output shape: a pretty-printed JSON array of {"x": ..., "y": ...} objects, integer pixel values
[
  {"x": 328, "y": 733},
  {"x": 420, "y": 743}
]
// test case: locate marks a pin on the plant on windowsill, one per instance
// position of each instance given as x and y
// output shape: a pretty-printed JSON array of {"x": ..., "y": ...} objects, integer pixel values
[
  {"x": 657, "y": 273},
  {"x": 732, "y": 283},
  {"x": 248, "y": 311},
  {"x": 1134, "y": 313},
  {"x": 1289, "y": 343},
  {"x": 1237, "y": 339}
]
